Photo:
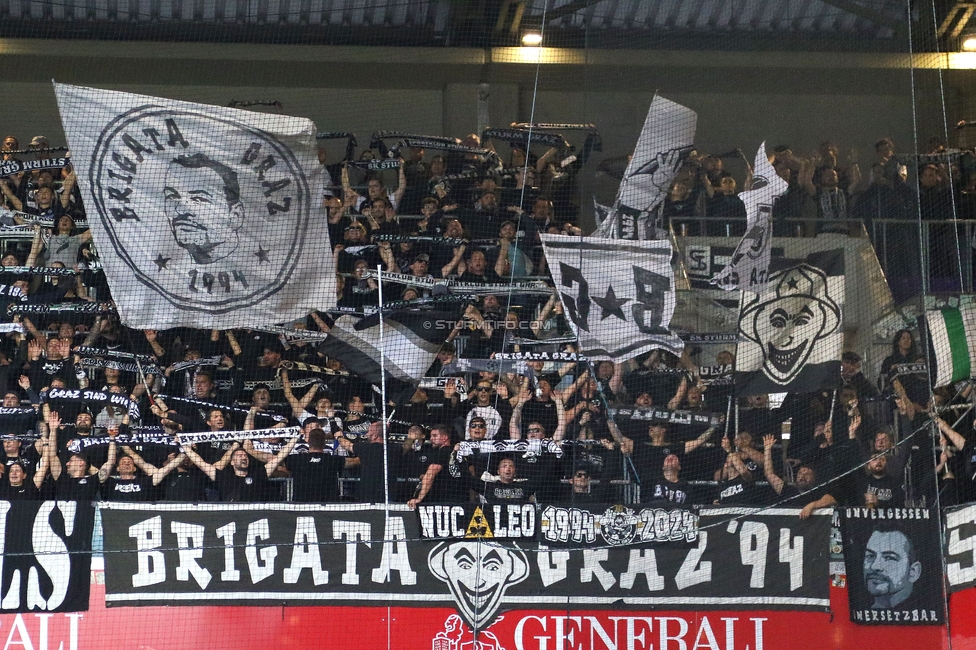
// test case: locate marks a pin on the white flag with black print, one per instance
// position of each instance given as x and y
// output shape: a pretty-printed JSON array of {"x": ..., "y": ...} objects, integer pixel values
[
  {"x": 203, "y": 215},
  {"x": 791, "y": 335},
  {"x": 749, "y": 267},
  {"x": 617, "y": 295},
  {"x": 666, "y": 139}
]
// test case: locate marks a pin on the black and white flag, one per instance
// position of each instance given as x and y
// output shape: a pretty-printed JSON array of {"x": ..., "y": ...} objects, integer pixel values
[
  {"x": 749, "y": 266},
  {"x": 791, "y": 335},
  {"x": 666, "y": 139},
  {"x": 894, "y": 566},
  {"x": 618, "y": 296},
  {"x": 203, "y": 214},
  {"x": 409, "y": 343}
]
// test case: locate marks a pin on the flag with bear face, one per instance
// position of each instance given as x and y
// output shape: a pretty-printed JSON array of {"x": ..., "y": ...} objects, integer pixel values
[
  {"x": 791, "y": 334},
  {"x": 203, "y": 215}
]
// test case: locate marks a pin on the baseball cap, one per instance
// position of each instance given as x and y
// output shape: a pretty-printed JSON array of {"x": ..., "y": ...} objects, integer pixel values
[
  {"x": 423, "y": 257},
  {"x": 38, "y": 140}
]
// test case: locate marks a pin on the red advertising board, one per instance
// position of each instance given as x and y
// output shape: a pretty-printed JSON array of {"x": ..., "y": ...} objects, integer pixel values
[{"x": 412, "y": 628}]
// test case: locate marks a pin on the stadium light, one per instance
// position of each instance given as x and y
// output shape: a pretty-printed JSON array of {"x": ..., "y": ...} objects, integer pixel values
[
  {"x": 532, "y": 39},
  {"x": 968, "y": 42}
]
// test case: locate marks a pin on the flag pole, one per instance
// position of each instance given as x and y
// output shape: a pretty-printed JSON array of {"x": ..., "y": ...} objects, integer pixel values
[{"x": 386, "y": 451}]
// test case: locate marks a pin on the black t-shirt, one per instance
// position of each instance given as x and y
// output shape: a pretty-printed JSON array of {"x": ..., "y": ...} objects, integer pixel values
[
  {"x": 85, "y": 488},
  {"x": 189, "y": 486},
  {"x": 664, "y": 490},
  {"x": 137, "y": 488},
  {"x": 370, "y": 454},
  {"x": 888, "y": 489},
  {"x": 27, "y": 491},
  {"x": 518, "y": 491},
  {"x": 736, "y": 492},
  {"x": 649, "y": 459},
  {"x": 248, "y": 489},
  {"x": 542, "y": 412},
  {"x": 29, "y": 458},
  {"x": 316, "y": 476},
  {"x": 444, "y": 488}
]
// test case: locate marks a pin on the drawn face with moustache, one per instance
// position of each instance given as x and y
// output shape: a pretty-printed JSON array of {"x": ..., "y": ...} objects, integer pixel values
[{"x": 478, "y": 575}]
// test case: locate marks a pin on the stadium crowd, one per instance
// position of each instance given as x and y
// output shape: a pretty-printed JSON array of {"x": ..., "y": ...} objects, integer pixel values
[{"x": 585, "y": 433}]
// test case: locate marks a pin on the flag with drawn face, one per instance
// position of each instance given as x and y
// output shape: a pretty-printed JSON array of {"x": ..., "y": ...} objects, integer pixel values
[
  {"x": 791, "y": 334},
  {"x": 666, "y": 139},
  {"x": 749, "y": 266},
  {"x": 203, "y": 215},
  {"x": 617, "y": 295}
]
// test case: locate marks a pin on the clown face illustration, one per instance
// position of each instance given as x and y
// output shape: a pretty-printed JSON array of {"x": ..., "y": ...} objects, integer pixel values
[
  {"x": 789, "y": 321},
  {"x": 478, "y": 574}
]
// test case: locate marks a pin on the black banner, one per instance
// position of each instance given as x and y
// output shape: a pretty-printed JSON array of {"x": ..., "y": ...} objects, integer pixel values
[
  {"x": 894, "y": 566},
  {"x": 524, "y": 138},
  {"x": 358, "y": 554},
  {"x": 46, "y": 555},
  {"x": 99, "y": 398}
]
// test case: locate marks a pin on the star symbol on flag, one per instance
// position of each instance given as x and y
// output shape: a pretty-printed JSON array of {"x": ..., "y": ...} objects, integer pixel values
[
  {"x": 610, "y": 304},
  {"x": 262, "y": 255},
  {"x": 161, "y": 261},
  {"x": 792, "y": 282}
]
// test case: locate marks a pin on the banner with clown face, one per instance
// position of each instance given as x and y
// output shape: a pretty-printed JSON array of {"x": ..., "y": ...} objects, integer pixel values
[{"x": 791, "y": 335}]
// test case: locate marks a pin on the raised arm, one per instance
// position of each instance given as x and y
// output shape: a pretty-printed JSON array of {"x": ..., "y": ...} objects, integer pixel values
[
  {"x": 560, "y": 431},
  {"x": 205, "y": 467},
  {"x": 279, "y": 458},
  {"x": 958, "y": 441},
  {"x": 692, "y": 445},
  {"x": 401, "y": 185},
  {"x": 736, "y": 460},
  {"x": 37, "y": 245},
  {"x": 774, "y": 481},
  {"x": 157, "y": 474},
  {"x": 515, "y": 423},
  {"x": 106, "y": 469}
]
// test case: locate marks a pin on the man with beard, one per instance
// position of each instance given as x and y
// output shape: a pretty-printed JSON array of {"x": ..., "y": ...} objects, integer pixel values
[
  {"x": 876, "y": 488},
  {"x": 240, "y": 480},
  {"x": 805, "y": 484},
  {"x": 891, "y": 569}
]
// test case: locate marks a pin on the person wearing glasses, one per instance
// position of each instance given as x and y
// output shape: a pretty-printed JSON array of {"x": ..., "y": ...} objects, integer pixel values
[
  {"x": 579, "y": 492},
  {"x": 495, "y": 411},
  {"x": 537, "y": 464}
]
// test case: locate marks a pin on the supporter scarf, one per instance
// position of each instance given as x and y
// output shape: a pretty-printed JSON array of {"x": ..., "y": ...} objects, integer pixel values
[
  {"x": 194, "y": 363},
  {"x": 374, "y": 165},
  {"x": 12, "y": 291},
  {"x": 149, "y": 369},
  {"x": 36, "y": 270},
  {"x": 222, "y": 407},
  {"x": 276, "y": 383},
  {"x": 489, "y": 365},
  {"x": 440, "y": 383},
  {"x": 11, "y": 167},
  {"x": 99, "y": 398},
  {"x": 710, "y": 338},
  {"x": 911, "y": 369},
  {"x": 637, "y": 414},
  {"x": 308, "y": 367},
  {"x": 540, "y": 356},
  {"x": 81, "y": 224},
  {"x": 468, "y": 447},
  {"x": 524, "y": 138},
  {"x": 86, "y": 351},
  {"x": 432, "y": 239},
  {"x": 17, "y": 418},
  {"x": 518, "y": 340},
  {"x": 529, "y": 286},
  {"x": 426, "y": 142},
  {"x": 80, "y": 444},
  {"x": 56, "y": 308},
  {"x": 293, "y": 334}
]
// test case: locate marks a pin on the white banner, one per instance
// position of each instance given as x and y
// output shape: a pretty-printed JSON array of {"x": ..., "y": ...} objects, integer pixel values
[
  {"x": 203, "y": 215},
  {"x": 749, "y": 267},
  {"x": 666, "y": 139},
  {"x": 618, "y": 296}
]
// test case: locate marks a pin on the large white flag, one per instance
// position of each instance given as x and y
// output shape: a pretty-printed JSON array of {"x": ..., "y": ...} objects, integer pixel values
[
  {"x": 666, "y": 139},
  {"x": 749, "y": 266},
  {"x": 202, "y": 215},
  {"x": 618, "y": 295}
]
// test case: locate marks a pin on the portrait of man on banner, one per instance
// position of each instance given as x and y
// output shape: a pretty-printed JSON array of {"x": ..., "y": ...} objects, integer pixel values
[{"x": 894, "y": 568}]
